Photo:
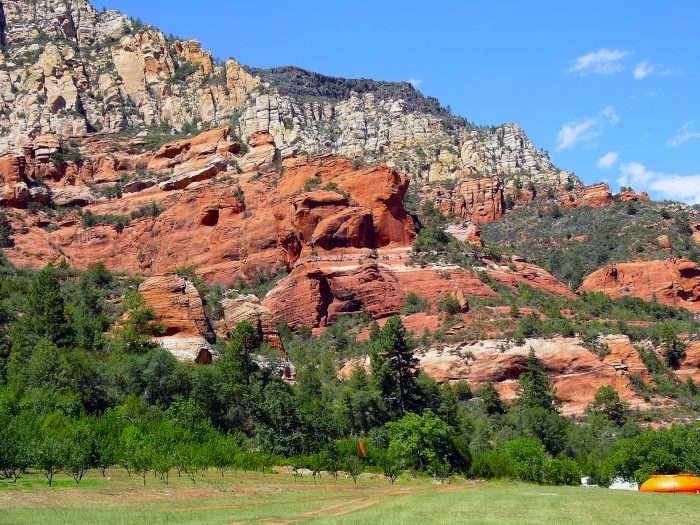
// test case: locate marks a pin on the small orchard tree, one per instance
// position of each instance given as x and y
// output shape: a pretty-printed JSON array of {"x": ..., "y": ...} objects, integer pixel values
[
  {"x": 49, "y": 455},
  {"x": 353, "y": 466},
  {"x": 52, "y": 445},
  {"x": 106, "y": 431},
  {"x": 80, "y": 454},
  {"x": 332, "y": 462},
  {"x": 138, "y": 454},
  {"x": 195, "y": 460},
  {"x": 16, "y": 437},
  {"x": 390, "y": 467}
]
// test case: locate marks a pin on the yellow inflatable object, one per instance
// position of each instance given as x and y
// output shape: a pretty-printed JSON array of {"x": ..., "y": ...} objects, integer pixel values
[{"x": 672, "y": 483}]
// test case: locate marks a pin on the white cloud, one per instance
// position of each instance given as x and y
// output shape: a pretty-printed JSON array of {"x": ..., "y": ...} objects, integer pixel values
[
  {"x": 668, "y": 185},
  {"x": 608, "y": 160},
  {"x": 574, "y": 132},
  {"x": 684, "y": 135},
  {"x": 604, "y": 62},
  {"x": 586, "y": 129},
  {"x": 609, "y": 114},
  {"x": 415, "y": 82},
  {"x": 643, "y": 69}
]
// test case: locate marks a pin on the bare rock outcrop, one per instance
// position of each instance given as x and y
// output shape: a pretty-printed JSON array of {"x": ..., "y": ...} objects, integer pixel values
[
  {"x": 178, "y": 308},
  {"x": 248, "y": 308},
  {"x": 72, "y": 70},
  {"x": 673, "y": 282}
]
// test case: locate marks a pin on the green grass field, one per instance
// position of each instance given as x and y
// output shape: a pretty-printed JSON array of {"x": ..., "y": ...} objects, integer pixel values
[{"x": 278, "y": 498}]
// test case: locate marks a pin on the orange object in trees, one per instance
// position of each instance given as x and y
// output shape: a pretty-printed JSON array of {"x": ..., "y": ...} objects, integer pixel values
[{"x": 672, "y": 483}]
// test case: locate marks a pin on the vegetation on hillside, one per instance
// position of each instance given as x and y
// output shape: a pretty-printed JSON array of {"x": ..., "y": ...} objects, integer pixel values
[
  {"x": 309, "y": 86},
  {"x": 83, "y": 386},
  {"x": 573, "y": 243}
]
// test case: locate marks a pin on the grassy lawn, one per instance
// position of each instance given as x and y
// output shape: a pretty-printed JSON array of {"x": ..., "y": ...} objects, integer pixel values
[{"x": 247, "y": 498}]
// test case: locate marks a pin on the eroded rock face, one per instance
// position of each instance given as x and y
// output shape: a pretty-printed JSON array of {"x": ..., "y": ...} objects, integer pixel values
[
  {"x": 14, "y": 191},
  {"x": 178, "y": 308},
  {"x": 595, "y": 196},
  {"x": 673, "y": 282},
  {"x": 209, "y": 215},
  {"x": 317, "y": 292},
  {"x": 690, "y": 364},
  {"x": 248, "y": 308},
  {"x": 99, "y": 70},
  {"x": 576, "y": 372},
  {"x": 478, "y": 200}
]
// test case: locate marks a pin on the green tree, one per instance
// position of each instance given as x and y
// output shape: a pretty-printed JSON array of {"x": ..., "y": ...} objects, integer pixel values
[
  {"x": 449, "y": 407},
  {"x": 238, "y": 357},
  {"x": 390, "y": 467},
  {"x": 673, "y": 347},
  {"x": 80, "y": 454},
  {"x": 353, "y": 466},
  {"x": 137, "y": 452},
  {"x": 52, "y": 446},
  {"x": 5, "y": 232},
  {"x": 394, "y": 364},
  {"x": 534, "y": 388},
  {"x": 16, "y": 440},
  {"x": 422, "y": 441},
  {"x": 546, "y": 425},
  {"x": 135, "y": 333},
  {"x": 665, "y": 451},
  {"x": 44, "y": 315},
  {"x": 223, "y": 451},
  {"x": 608, "y": 401},
  {"x": 491, "y": 399},
  {"x": 106, "y": 431}
]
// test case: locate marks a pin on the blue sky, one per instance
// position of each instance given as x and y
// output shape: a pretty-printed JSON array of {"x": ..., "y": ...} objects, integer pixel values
[{"x": 610, "y": 89}]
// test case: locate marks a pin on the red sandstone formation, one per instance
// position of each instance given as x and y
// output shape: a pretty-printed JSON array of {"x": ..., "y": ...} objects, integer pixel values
[
  {"x": 690, "y": 364},
  {"x": 231, "y": 224},
  {"x": 248, "y": 308},
  {"x": 476, "y": 200},
  {"x": 595, "y": 196},
  {"x": 178, "y": 308},
  {"x": 674, "y": 282},
  {"x": 316, "y": 293},
  {"x": 630, "y": 195},
  {"x": 576, "y": 372}
]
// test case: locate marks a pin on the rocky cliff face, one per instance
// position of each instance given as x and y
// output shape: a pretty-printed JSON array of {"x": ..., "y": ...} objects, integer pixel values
[
  {"x": 72, "y": 70},
  {"x": 575, "y": 371},
  {"x": 178, "y": 308},
  {"x": 674, "y": 282},
  {"x": 187, "y": 204}
]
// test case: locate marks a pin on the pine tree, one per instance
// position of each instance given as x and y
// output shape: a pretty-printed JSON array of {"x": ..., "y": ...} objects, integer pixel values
[
  {"x": 238, "y": 358},
  {"x": 44, "y": 316},
  {"x": 491, "y": 399},
  {"x": 393, "y": 363},
  {"x": 534, "y": 388}
]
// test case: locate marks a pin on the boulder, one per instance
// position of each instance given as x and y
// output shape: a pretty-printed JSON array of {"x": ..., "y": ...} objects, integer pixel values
[{"x": 594, "y": 196}]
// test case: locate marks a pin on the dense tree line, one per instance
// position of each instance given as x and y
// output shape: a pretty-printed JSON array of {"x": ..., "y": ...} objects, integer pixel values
[{"x": 83, "y": 386}]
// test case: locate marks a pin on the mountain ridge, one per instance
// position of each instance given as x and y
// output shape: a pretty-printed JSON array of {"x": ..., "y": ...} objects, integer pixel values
[{"x": 70, "y": 69}]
